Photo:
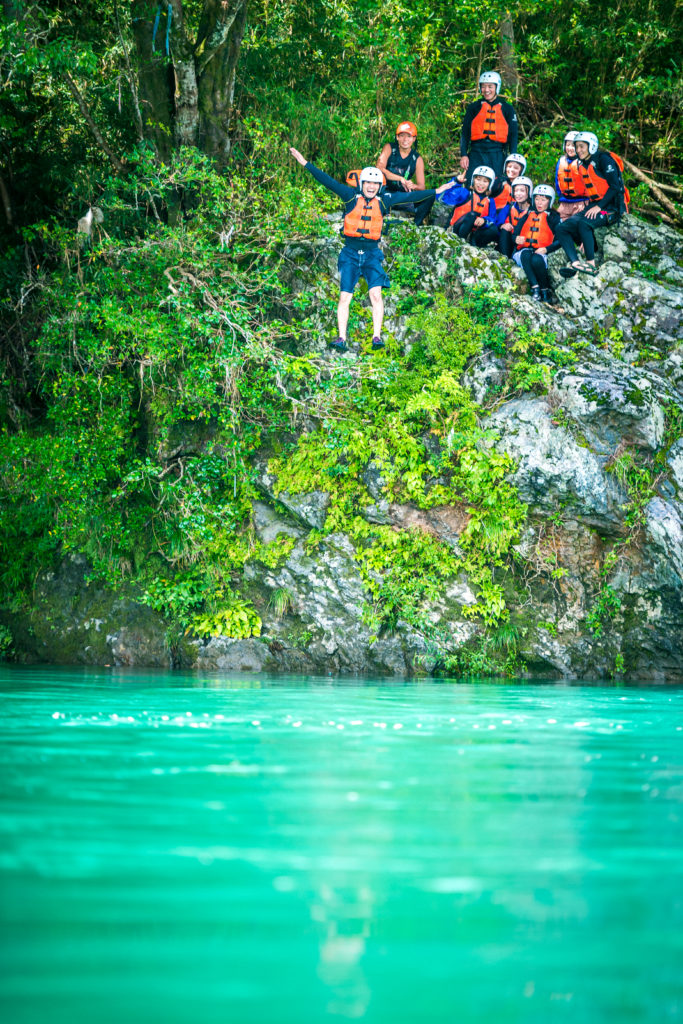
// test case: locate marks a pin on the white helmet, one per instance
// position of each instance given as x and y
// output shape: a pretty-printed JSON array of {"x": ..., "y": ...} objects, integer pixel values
[
  {"x": 590, "y": 138},
  {"x": 545, "y": 190},
  {"x": 490, "y": 76},
  {"x": 484, "y": 172},
  {"x": 371, "y": 174},
  {"x": 518, "y": 159},
  {"x": 523, "y": 181},
  {"x": 570, "y": 137}
]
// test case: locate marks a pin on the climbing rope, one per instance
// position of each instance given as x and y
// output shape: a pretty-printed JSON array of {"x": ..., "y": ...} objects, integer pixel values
[{"x": 169, "y": 18}]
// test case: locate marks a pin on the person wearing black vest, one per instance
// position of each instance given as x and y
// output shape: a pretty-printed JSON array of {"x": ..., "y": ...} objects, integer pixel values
[
  {"x": 489, "y": 130},
  {"x": 604, "y": 187},
  {"x": 400, "y": 161}
]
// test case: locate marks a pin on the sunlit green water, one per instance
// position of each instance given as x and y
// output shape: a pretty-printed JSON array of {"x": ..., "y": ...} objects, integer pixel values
[{"x": 181, "y": 850}]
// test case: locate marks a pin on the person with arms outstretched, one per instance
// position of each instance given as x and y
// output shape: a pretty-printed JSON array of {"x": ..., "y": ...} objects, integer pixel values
[{"x": 365, "y": 208}]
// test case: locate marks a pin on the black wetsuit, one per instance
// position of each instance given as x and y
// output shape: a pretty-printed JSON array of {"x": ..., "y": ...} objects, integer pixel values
[
  {"x": 579, "y": 228},
  {"x": 405, "y": 166},
  {"x": 484, "y": 151}
]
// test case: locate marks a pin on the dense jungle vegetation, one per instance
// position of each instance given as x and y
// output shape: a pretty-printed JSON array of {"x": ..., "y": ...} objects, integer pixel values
[{"x": 150, "y": 343}]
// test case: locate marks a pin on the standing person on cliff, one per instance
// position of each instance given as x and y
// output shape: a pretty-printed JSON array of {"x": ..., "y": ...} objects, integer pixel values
[
  {"x": 365, "y": 208},
  {"x": 489, "y": 130}
]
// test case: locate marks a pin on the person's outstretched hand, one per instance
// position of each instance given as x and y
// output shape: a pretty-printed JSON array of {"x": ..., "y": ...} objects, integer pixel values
[
  {"x": 297, "y": 156},
  {"x": 445, "y": 187}
]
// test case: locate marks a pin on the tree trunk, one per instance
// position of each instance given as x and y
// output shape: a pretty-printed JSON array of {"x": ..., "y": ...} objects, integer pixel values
[
  {"x": 508, "y": 60},
  {"x": 155, "y": 80},
  {"x": 217, "y": 77},
  {"x": 186, "y": 95}
]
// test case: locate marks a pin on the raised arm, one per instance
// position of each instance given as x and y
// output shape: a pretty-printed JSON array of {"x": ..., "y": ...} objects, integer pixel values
[
  {"x": 297, "y": 156},
  {"x": 396, "y": 198},
  {"x": 344, "y": 192}
]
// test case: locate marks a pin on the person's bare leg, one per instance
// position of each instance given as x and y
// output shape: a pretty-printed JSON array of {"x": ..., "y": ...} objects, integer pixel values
[
  {"x": 343, "y": 312},
  {"x": 377, "y": 303}
]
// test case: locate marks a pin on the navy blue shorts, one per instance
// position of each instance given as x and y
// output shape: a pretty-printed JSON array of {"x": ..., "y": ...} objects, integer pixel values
[{"x": 354, "y": 264}]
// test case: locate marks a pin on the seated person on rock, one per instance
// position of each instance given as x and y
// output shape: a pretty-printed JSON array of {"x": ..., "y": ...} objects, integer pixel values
[
  {"x": 509, "y": 216},
  {"x": 364, "y": 210},
  {"x": 489, "y": 128},
  {"x": 400, "y": 161},
  {"x": 534, "y": 239},
  {"x": 607, "y": 201},
  {"x": 569, "y": 184},
  {"x": 501, "y": 191},
  {"x": 474, "y": 216}
]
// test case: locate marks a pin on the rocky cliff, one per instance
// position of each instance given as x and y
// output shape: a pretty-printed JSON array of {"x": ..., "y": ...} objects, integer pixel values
[{"x": 531, "y": 522}]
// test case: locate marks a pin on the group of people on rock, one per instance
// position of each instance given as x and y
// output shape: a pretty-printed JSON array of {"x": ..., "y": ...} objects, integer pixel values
[{"x": 494, "y": 202}]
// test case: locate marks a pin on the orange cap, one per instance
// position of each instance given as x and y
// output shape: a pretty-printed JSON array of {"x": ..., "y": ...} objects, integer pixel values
[{"x": 407, "y": 126}]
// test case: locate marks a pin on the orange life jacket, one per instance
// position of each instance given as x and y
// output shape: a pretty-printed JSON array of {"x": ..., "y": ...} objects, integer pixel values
[
  {"x": 489, "y": 124},
  {"x": 537, "y": 233},
  {"x": 475, "y": 204},
  {"x": 353, "y": 178},
  {"x": 504, "y": 197},
  {"x": 516, "y": 215},
  {"x": 365, "y": 219},
  {"x": 596, "y": 186},
  {"x": 569, "y": 178}
]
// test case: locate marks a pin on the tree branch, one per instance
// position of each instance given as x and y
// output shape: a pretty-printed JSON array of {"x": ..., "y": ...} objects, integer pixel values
[
  {"x": 211, "y": 42},
  {"x": 655, "y": 191},
  {"x": 97, "y": 134}
]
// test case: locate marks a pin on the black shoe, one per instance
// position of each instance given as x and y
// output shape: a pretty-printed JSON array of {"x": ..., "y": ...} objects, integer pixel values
[
  {"x": 377, "y": 342},
  {"x": 568, "y": 271},
  {"x": 535, "y": 294},
  {"x": 548, "y": 296},
  {"x": 339, "y": 345}
]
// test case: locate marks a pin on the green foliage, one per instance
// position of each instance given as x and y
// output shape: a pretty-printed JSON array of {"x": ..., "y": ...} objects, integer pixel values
[
  {"x": 489, "y": 654},
  {"x": 281, "y": 601},
  {"x": 6, "y": 642},
  {"x": 637, "y": 480},
  {"x": 606, "y": 606},
  {"x": 384, "y": 414},
  {"x": 237, "y": 620},
  {"x": 538, "y": 358}
]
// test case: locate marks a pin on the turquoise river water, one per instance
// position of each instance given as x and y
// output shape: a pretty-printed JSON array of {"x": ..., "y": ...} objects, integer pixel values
[{"x": 178, "y": 849}]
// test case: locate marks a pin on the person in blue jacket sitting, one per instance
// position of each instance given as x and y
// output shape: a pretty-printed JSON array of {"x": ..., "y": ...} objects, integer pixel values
[{"x": 474, "y": 216}]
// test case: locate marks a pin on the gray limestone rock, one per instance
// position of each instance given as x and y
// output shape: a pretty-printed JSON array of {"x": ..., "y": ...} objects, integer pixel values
[
  {"x": 553, "y": 470},
  {"x": 485, "y": 376},
  {"x": 664, "y": 528},
  {"x": 309, "y": 509},
  {"x": 615, "y": 404},
  {"x": 675, "y": 461}
]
